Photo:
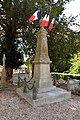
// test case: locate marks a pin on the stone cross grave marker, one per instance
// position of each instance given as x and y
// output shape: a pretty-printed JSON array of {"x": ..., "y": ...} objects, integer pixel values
[
  {"x": 3, "y": 76},
  {"x": 4, "y": 58}
]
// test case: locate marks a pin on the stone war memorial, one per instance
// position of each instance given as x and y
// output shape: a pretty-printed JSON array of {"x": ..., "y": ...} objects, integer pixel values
[{"x": 42, "y": 90}]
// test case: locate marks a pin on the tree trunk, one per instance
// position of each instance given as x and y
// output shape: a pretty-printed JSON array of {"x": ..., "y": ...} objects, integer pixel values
[{"x": 9, "y": 72}]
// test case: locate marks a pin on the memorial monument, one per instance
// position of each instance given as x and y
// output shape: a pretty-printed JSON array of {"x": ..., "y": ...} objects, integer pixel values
[{"x": 44, "y": 92}]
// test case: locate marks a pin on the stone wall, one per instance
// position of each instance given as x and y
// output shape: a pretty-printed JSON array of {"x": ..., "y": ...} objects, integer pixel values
[{"x": 74, "y": 84}]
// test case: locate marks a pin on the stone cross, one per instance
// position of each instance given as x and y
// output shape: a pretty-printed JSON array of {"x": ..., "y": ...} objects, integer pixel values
[
  {"x": 4, "y": 58},
  {"x": 3, "y": 83}
]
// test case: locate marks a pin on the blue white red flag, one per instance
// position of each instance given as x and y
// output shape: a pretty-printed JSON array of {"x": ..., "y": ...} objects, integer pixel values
[
  {"x": 45, "y": 20},
  {"x": 51, "y": 24},
  {"x": 36, "y": 15}
]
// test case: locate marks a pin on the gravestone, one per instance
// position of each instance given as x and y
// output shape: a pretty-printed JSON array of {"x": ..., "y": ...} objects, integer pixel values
[{"x": 3, "y": 83}]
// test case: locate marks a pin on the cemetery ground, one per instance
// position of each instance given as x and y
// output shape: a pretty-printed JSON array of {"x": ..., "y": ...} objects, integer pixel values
[{"x": 13, "y": 107}]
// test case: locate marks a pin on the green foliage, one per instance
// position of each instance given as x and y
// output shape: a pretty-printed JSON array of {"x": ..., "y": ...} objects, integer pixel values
[
  {"x": 13, "y": 57},
  {"x": 9, "y": 38},
  {"x": 63, "y": 43},
  {"x": 65, "y": 75},
  {"x": 75, "y": 61},
  {"x": 19, "y": 36}
]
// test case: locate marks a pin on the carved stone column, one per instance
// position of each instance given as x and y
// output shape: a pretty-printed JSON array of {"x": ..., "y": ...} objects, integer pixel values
[
  {"x": 42, "y": 62},
  {"x": 45, "y": 93}
]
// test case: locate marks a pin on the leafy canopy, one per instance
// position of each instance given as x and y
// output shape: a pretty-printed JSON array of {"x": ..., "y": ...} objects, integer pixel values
[{"x": 19, "y": 35}]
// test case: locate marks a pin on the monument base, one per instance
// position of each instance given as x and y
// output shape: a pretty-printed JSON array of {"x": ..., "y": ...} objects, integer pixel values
[
  {"x": 4, "y": 88},
  {"x": 3, "y": 85},
  {"x": 56, "y": 95}
]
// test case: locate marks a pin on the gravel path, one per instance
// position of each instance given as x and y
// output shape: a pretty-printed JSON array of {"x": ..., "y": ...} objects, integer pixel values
[{"x": 12, "y": 107}]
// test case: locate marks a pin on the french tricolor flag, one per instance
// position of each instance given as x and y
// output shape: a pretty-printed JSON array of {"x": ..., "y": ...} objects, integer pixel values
[
  {"x": 35, "y": 16},
  {"x": 51, "y": 24},
  {"x": 45, "y": 20}
]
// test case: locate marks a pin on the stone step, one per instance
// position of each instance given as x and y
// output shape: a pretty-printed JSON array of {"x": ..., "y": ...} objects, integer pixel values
[{"x": 56, "y": 95}]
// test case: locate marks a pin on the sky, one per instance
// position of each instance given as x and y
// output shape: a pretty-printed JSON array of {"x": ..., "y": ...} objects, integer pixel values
[{"x": 73, "y": 8}]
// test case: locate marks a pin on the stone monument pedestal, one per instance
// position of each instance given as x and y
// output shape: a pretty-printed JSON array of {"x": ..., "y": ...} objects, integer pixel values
[
  {"x": 46, "y": 92},
  {"x": 53, "y": 96}
]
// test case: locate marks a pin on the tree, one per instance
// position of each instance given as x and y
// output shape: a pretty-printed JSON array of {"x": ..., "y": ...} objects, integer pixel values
[
  {"x": 9, "y": 46},
  {"x": 16, "y": 32},
  {"x": 75, "y": 61},
  {"x": 63, "y": 43}
]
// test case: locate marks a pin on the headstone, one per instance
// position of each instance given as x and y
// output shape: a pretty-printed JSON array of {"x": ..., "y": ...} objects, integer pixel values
[{"x": 3, "y": 83}]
